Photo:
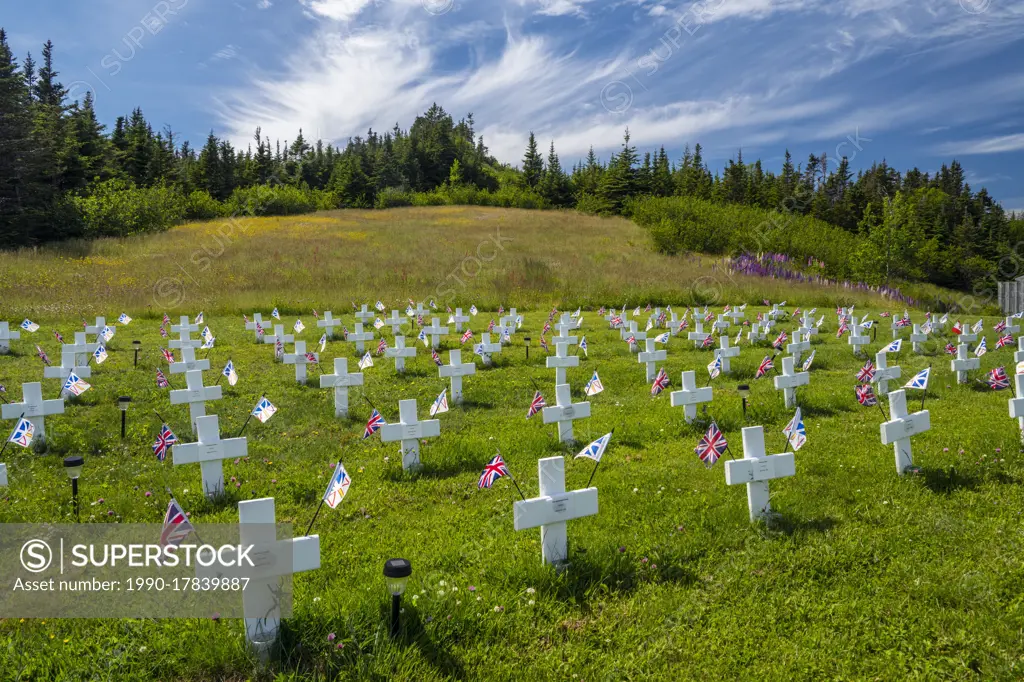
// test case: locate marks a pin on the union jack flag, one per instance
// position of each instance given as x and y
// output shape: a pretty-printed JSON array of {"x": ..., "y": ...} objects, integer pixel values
[
  {"x": 535, "y": 405},
  {"x": 467, "y": 336},
  {"x": 546, "y": 329},
  {"x": 58, "y": 336},
  {"x": 163, "y": 332},
  {"x": 176, "y": 525},
  {"x": 1000, "y": 326},
  {"x": 780, "y": 341},
  {"x": 42, "y": 355},
  {"x": 435, "y": 357},
  {"x": 950, "y": 349},
  {"x": 711, "y": 446},
  {"x": 167, "y": 319},
  {"x": 165, "y": 440},
  {"x": 544, "y": 345},
  {"x": 382, "y": 346},
  {"x": 490, "y": 326},
  {"x": 660, "y": 382},
  {"x": 373, "y": 425},
  {"x": 708, "y": 342},
  {"x": 494, "y": 470},
  {"x": 683, "y": 324},
  {"x": 902, "y": 322},
  {"x": 168, "y": 354},
  {"x": 866, "y": 395},
  {"x": 279, "y": 349},
  {"x": 161, "y": 380},
  {"x": 616, "y": 321},
  {"x": 766, "y": 364},
  {"x": 867, "y": 372},
  {"x": 843, "y": 328},
  {"x": 1004, "y": 340},
  {"x": 311, "y": 357},
  {"x": 886, "y": 314},
  {"x": 997, "y": 379},
  {"x": 259, "y": 329}
]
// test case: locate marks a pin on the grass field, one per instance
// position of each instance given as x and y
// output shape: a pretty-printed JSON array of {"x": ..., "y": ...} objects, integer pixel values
[{"x": 864, "y": 575}]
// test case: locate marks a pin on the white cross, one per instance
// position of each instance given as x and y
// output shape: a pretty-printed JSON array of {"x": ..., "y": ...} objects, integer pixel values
[
  {"x": 257, "y": 321},
  {"x": 917, "y": 338},
  {"x": 83, "y": 349},
  {"x": 650, "y": 356},
  {"x": 3, "y": 475},
  {"x": 420, "y": 311},
  {"x": 505, "y": 334},
  {"x": 396, "y": 321},
  {"x": 561, "y": 360},
  {"x": 6, "y": 336},
  {"x": 967, "y": 337},
  {"x": 195, "y": 395},
  {"x": 455, "y": 370},
  {"x": 1016, "y": 404},
  {"x": 697, "y": 335},
  {"x": 277, "y": 335},
  {"x": 631, "y": 329},
  {"x": 409, "y": 430},
  {"x": 68, "y": 364},
  {"x": 510, "y": 319},
  {"x": 963, "y": 364},
  {"x": 299, "y": 359},
  {"x": 807, "y": 326},
  {"x": 552, "y": 508},
  {"x": 798, "y": 347},
  {"x": 901, "y": 427},
  {"x": 364, "y": 315},
  {"x": 35, "y": 408},
  {"x": 272, "y": 559},
  {"x": 721, "y": 324},
  {"x": 458, "y": 318},
  {"x": 756, "y": 469},
  {"x": 400, "y": 352},
  {"x": 359, "y": 336},
  {"x": 789, "y": 380},
  {"x": 1018, "y": 356},
  {"x": 564, "y": 327},
  {"x": 435, "y": 331},
  {"x": 856, "y": 339},
  {"x": 895, "y": 327},
  {"x": 725, "y": 351},
  {"x": 328, "y": 323},
  {"x": 341, "y": 380},
  {"x": 673, "y": 324},
  {"x": 189, "y": 362},
  {"x": 736, "y": 315},
  {"x": 564, "y": 411},
  {"x": 690, "y": 396},
  {"x": 775, "y": 313},
  {"x": 884, "y": 373},
  {"x": 209, "y": 452},
  {"x": 184, "y": 330},
  {"x": 1011, "y": 328},
  {"x": 756, "y": 333},
  {"x": 611, "y": 316},
  {"x": 487, "y": 348},
  {"x": 97, "y": 328}
]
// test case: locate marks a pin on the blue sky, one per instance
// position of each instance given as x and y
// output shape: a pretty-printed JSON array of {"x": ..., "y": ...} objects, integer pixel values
[{"x": 914, "y": 82}]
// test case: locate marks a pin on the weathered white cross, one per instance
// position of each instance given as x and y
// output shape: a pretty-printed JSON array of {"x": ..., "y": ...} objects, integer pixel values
[
  {"x": 561, "y": 360},
  {"x": 756, "y": 333},
  {"x": 195, "y": 395},
  {"x": 798, "y": 347},
  {"x": 273, "y": 559},
  {"x": 400, "y": 352},
  {"x": 409, "y": 430},
  {"x": 278, "y": 335},
  {"x": 736, "y": 315},
  {"x": 725, "y": 351},
  {"x": 968, "y": 336},
  {"x": 458, "y": 318},
  {"x": 776, "y": 312},
  {"x": 756, "y": 469},
  {"x": 188, "y": 362},
  {"x": 396, "y": 321},
  {"x": 720, "y": 325},
  {"x": 6, "y": 336},
  {"x": 299, "y": 359},
  {"x": 673, "y": 323},
  {"x": 101, "y": 322},
  {"x": 917, "y": 338},
  {"x": 435, "y": 331},
  {"x": 807, "y": 326},
  {"x": 901, "y": 427},
  {"x": 566, "y": 325},
  {"x": 487, "y": 348},
  {"x": 510, "y": 319},
  {"x": 1016, "y": 404},
  {"x": 1018, "y": 355},
  {"x": 341, "y": 380},
  {"x": 455, "y": 370},
  {"x": 651, "y": 356},
  {"x": 552, "y": 508},
  {"x": 632, "y": 330},
  {"x": 35, "y": 408},
  {"x": 83, "y": 349},
  {"x": 365, "y": 315},
  {"x": 564, "y": 412},
  {"x": 184, "y": 330},
  {"x": 789, "y": 380},
  {"x": 209, "y": 452},
  {"x": 257, "y": 321},
  {"x": 857, "y": 339},
  {"x": 328, "y": 323},
  {"x": 1011, "y": 328},
  {"x": 697, "y": 335},
  {"x": 884, "y": 373},
  {"x": 690, "y": 396},
  {"x": 359, "y": 336},
  {"x": 963, "y": 364},
  {"x": 68, "y": 364}
]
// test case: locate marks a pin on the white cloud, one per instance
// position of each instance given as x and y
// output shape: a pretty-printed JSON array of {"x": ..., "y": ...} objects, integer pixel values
[
  {"x": 339, "y": 10},
  {"x": 264, "y": 4},
  {"x": 988, "y": 145}
]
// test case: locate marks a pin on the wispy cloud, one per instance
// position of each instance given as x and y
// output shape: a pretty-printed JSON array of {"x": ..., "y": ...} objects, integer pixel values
[{"x": 986, "y": 145}]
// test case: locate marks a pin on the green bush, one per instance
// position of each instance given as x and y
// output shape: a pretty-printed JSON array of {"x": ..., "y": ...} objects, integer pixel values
[
  {"x": 117, "y": 208},
  {"x": 393, "y": 197},
  {"x": 268, "y": 200},
  {"x": 201, "y": 206}
]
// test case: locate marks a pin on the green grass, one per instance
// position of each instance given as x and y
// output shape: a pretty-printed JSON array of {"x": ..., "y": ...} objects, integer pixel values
[{"x": 864, "y": 575}]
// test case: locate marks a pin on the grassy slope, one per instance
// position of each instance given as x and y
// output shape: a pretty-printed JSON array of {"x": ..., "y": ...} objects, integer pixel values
[{"x": 866, "y": 576}]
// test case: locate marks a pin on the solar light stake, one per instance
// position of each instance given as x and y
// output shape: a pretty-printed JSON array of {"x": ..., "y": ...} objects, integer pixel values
[
  {"x": 527, "y": 340},
  {"x": 122, "y": 404},
  {"x": 136, "y": 345},
  {"x": 744, "y": 390},
  {"x": 396, "y": 573},
  {"x": 73, "y": 468}
]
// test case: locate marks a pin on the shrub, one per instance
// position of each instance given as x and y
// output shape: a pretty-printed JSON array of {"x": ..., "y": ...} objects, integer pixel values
[{"x": 117, "y": 208}]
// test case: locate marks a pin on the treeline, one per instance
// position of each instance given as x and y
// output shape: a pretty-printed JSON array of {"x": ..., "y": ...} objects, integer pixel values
[{"x": 64, "y": 175}]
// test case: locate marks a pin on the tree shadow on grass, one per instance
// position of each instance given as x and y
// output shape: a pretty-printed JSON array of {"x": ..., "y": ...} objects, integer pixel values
[
  {"x": 470, "y": 404},
  {"x": 947, "y": 480}
]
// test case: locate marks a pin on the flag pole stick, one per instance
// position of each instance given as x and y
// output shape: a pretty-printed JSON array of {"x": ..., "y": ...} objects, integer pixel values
[
  {"x": 598, "y": 463},
  {"x": 367, "y": 399},
  {"x": 319, "y": 507},
  {"x": 924, "y": 391},
  {"x": 12, "y": 433},
  {"x": 170, "y": 493},
  {"x": 514, "y": 481},
  {"x": 264, "y": 395}
]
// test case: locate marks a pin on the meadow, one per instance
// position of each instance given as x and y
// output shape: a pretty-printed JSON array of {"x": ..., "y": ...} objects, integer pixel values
[{"x": 862, "y": 575}]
